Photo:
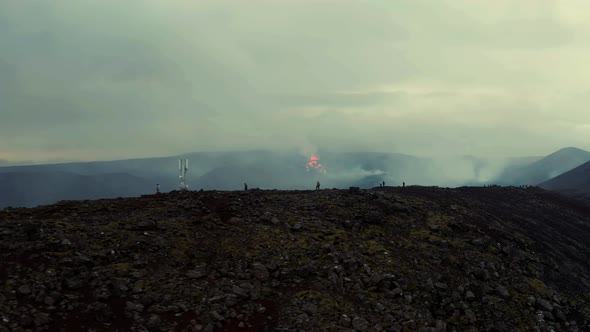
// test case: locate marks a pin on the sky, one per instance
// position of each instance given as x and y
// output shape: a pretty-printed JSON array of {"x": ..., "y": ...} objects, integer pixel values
[{"x": 111, "y": 79}]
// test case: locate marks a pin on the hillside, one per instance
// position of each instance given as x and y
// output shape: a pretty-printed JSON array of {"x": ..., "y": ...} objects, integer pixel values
[
  {"x": 208, "y": 170},
  {"x": 575, "y": 182},
  {"x": 386, "y": 259},
  {"x": 542, "y": 170},
  {"x": 27, "y": 189}
]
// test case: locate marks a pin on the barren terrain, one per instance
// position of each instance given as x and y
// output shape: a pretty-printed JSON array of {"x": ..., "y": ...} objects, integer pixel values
[{"x": 386, "y": 259}]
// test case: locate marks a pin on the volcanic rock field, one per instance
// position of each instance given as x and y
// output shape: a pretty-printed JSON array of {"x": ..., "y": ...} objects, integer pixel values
[{"x": 385, "y": 259}]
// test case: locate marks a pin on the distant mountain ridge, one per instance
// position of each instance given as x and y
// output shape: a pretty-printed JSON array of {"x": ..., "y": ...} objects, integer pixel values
[
  {"x": 39, "y": 188},
  {"x": 542, "y": 170},
  {"x": 31, "y": 185}
]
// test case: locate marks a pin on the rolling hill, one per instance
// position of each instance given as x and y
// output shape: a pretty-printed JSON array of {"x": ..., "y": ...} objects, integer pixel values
[
  {"x": 542, "y": 170},
  {"x": 26, "y": 189},
  {"x": 575, "y": 182}
]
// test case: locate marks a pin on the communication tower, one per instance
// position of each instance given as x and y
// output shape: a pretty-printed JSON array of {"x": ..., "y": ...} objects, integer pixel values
[{"x": 183, "y": 167}]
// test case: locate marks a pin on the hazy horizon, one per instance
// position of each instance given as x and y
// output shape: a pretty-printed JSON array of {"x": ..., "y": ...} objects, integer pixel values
[
  {"x": 115, "y": 80},
  {"x": 6, "y": 162}
]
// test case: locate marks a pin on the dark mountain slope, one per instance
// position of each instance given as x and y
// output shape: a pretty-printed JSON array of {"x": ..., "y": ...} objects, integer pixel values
[
  {"x": 389, "y": 259},
  {"x": 542, "y": 170},
  {"x": 31, "y": 188},
  {"x": 575, "y": 182}
]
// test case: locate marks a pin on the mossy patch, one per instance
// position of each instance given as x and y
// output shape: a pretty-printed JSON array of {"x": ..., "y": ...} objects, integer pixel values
[
  {"x": 439, "y": 221},
  {"x": 336, "y": 235},
  {"x": 181, "y": 248},
  {"x": 537, "y": 285},
  {"x": 374, "y": 247},
  {"x": 459, "y": 209},
  {"x": 425, "y": 235},
  {"x": 112, "y": 226},
  {"x": 326, "y": 302},
  {"x": 60, "y": 253},
  {"x": 120, "y": 267}
]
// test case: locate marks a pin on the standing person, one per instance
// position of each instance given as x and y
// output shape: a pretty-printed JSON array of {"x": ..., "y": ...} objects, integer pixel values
[
  {"x": 157, "y": 188},
  {"x": 317, "y": 185},
  {"x": 245, "y": 186},
  {"x": 383, "y": 183},
  {"x": 404, "y": 184}
]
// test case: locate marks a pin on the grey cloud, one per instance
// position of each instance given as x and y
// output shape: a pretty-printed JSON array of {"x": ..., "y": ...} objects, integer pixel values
[
  {"x": 344, "y": 100},
  {"x": 116, "y": 79},
  {"x": 530, "y": 33}
]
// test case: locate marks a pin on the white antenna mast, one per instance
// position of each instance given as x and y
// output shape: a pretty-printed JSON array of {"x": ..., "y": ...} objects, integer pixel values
[{"x": 183, "y": 167}]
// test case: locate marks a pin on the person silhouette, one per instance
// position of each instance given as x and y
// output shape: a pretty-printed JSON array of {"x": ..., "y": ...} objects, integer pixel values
[
  {"x": 317, "y": 185},
  {"x": 245, "y": 186}
]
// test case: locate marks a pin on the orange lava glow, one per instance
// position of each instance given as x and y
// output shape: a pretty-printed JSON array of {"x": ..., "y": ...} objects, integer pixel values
[{"x": 314, "y": 163}]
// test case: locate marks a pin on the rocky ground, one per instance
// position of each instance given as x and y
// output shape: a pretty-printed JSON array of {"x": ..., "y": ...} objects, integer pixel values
[{"x": 387, "y": 259}]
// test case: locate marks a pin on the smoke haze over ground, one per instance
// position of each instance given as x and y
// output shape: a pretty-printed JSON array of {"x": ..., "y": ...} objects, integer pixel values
[{"x": 105, "y": 80}]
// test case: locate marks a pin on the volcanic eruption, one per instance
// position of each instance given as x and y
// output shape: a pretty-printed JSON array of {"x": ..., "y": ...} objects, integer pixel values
[{"x": 315, "y": 164}]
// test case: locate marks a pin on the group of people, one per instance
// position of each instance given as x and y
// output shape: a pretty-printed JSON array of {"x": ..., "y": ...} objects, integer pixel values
[
  {"x": 382, "y": 184},
  {"x": 317, "y": 186},
  {"x": 498, "y": 186}
]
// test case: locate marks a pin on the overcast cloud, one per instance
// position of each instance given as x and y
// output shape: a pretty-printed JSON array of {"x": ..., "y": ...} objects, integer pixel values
[{"x": 109, "y": 79}]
